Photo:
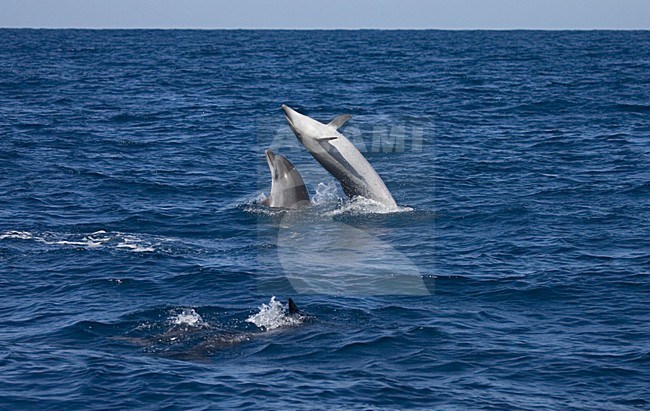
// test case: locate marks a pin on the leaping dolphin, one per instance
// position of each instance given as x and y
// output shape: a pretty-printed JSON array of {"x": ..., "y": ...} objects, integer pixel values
[
  {"x": 339, "y": 156},
  {"x": 287, "y": 186}
]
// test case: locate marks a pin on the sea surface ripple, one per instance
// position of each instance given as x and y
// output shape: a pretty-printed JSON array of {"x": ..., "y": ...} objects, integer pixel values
[{"x": 139, "y": 270}]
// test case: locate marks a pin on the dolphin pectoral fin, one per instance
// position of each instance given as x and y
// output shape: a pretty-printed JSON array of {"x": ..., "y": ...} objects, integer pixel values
[
  {"x": 326, "y": 138},
  {"x": 339, "y": 120}
]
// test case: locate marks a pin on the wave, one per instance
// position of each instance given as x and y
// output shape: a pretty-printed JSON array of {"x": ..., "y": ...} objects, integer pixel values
[
  {"x": 95, "y": 240},
  {"x": 633, "y": 108}
]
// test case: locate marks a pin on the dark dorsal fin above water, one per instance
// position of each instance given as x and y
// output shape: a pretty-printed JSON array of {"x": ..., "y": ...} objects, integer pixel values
[
  {"x": 293, "y": 308},
  {"x": 339, "y": 120}
]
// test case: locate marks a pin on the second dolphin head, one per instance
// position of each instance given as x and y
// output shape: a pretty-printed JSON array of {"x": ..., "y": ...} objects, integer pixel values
[{"x": 287, "y": 186}]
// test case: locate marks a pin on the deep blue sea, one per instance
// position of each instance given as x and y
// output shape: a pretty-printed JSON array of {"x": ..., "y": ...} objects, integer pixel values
[{"x": 139, "y": 269}]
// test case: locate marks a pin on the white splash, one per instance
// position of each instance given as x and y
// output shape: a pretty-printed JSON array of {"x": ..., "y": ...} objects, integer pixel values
[
  {"x": 361, "y": 205},
  {"x": 274, "y": 315},
  {"x": 260, "y": 198},
  {"x": 134, "y": 244},
  {"x": 263, "y": 210},
  {"x": 255, "y": 205},
  {"x": 187, "y": 317},
  {"x": 325, "y": 193},
  {"x": 97, "y": 239},
  {"x": 20, "y": 235}
]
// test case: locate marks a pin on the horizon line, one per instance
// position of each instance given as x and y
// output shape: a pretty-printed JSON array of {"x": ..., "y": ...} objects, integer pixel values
[{"x": 329, "y": 28}]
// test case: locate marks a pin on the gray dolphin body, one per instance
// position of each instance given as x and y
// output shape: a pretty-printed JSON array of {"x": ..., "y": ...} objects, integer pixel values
[
  {"x": 192, "y": 342},
  {"x": 287, "y": 186},
  {"x": 339, "y": 156}
]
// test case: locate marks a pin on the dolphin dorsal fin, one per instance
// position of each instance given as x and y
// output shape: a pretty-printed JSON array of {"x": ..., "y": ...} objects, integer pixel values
[
  {"x": 293, "y": 308},
  {"x": 339, "y": 120}
]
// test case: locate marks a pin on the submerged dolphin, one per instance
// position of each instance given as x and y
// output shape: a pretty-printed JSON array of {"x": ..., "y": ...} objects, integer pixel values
[
  {"x": 287, "y": 187},
  {"x": 339, "y": 156},
  {"x": 198, "y": 341}
]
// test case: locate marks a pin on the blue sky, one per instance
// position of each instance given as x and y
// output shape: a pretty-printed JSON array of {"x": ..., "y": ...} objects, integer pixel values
[{"x": 443, "y": 14}]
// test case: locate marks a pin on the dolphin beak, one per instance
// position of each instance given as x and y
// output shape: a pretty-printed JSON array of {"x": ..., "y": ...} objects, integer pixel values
[
  {"x": 288, "y": 113},
  {"x": 270, "y": 156}
]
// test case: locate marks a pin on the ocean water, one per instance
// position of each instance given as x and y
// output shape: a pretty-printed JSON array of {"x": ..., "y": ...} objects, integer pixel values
[{"x": 138, "y": 268}]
